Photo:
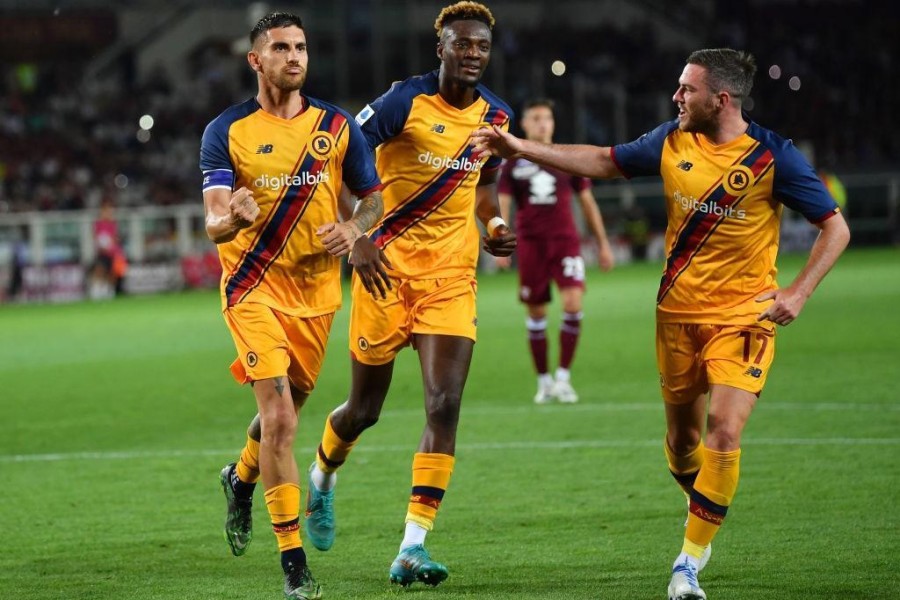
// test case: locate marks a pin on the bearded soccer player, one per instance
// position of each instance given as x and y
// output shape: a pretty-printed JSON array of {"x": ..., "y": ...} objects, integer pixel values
[
  {"x": 434, "y": 192},
  {"x": 273, "y": 168},
  {"x": 550, "y": 249},
  {"x": 726, "y": 180}
]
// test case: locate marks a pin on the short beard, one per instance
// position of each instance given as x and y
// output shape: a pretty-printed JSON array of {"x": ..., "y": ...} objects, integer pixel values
[
  {"x": 707, "y": 124},
  {"x": 286, "y": 84}
]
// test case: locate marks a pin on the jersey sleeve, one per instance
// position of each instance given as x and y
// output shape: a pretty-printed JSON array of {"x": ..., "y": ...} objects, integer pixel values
[
  {"x": 505, "y": 183},
  {"x": 359, "y": 166},
  {"x": 504, "y": 118},
  {"x": 643, "y": 155},
  {"x": 385, "y": 117},
  {"x": 797, "y": 186},
  {"x": 215, "y": 163}
]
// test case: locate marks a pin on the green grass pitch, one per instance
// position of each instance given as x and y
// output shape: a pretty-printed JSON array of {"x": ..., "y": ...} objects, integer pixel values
[{"x": 116, "y": 418}]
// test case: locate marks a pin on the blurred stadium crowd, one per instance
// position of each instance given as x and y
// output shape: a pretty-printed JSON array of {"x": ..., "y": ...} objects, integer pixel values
[{"x": 68, "y": 141}]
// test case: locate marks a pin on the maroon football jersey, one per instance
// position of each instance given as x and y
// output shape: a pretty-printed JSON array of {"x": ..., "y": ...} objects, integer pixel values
[{"x": 543, "y": 198}]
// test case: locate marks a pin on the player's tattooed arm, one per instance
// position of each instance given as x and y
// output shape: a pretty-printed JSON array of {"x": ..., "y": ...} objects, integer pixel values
[
  {"x": 279, "y": 385},
  {"x": 339, "y": 238},
  {"x": 368, "y": 211},
  {"x": 368, "y": 259}
]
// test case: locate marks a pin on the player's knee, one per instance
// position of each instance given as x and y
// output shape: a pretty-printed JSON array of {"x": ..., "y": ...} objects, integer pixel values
[
  {"x": 723, "y": 435},
  {"x": 684, "y": 442},
  {"x": 442, "y": 408},
  {"x": 279, "y": 427},
  {"x": 572, "y": 306}
]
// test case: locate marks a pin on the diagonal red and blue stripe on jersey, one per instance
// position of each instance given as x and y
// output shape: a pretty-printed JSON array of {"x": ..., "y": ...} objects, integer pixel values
[
  {"x": 433, "y": 194},
  {"x": 698, "y": 226},
  {"x": 282, "y": 219}
]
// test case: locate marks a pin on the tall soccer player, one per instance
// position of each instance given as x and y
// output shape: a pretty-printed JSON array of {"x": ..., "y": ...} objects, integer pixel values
[
  {"x": 726, "y": 180},
  {"x": 434, "y": 193},
  {"x": 550, "y": 249},
  {"x": 273, "y": 168}
]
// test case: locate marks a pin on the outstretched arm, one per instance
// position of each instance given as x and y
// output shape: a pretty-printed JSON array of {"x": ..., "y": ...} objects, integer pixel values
[
  {"x": 834, "y": 235},
  {"x": 579, "y": 159}
]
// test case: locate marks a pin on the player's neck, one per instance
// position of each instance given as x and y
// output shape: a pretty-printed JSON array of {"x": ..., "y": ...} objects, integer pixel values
[
  {"x": 285, "y": 105},
  {"x": 458, "y": 96},
  {"x": 730, "y": 128}
]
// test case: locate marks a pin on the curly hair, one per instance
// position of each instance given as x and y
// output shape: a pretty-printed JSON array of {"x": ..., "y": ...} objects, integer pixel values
[{"x": 475, "y": 11}]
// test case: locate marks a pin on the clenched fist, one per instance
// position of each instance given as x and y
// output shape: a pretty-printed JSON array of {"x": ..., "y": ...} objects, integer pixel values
[{"x": 243, "y": 208}]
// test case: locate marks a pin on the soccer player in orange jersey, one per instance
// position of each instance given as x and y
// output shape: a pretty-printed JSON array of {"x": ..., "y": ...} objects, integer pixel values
[
  {"x": 550, "y": 249},
  {"x": 726, "y": 180},
  {"x": 434, "y": 192},
  {"x": 273, "y": 168}
]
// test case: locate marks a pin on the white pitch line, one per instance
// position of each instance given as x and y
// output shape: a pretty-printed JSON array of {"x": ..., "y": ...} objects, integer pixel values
[
  {"x": 516, "y": 445},
  {"x": 496, "y": 409}
]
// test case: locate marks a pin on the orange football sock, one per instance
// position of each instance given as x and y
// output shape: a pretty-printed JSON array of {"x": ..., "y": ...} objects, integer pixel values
[{"x": 430, "y": 478}]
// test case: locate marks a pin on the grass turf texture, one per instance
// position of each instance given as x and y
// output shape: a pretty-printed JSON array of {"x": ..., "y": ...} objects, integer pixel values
[{"x": 118, "y": 416}]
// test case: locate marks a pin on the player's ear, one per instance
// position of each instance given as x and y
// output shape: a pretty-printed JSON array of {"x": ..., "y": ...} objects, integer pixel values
[
  {"x": 253, "y": 59},
  {"x": 723, "y": 99},
  {"x": 440, "y": 50}
]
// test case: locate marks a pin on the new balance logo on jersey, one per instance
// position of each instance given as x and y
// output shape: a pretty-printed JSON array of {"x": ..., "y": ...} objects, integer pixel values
[
  {"x": 445, "y": 162},
  {"x": 264, "y": 149},
  {"x": 437, "y": 128},
  {"x": 684, "y": 165},
  {"x": 755, "y": 372}
]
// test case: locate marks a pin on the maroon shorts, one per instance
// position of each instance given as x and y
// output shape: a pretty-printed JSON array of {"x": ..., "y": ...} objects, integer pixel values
[{"x": 544, "y": 260}]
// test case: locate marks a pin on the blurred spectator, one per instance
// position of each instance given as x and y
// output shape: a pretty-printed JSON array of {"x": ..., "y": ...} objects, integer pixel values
[
  {"x": 108, "y": 271},
  {"x": 19, "y": 259},
  {"x": 66, "y": 142},
  {"x": 637, "y": 232},
  {"x": 835, "y": 188}
]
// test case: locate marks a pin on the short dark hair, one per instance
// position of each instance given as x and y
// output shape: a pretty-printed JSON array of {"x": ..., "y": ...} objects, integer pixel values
[
  {"x": 727, "y": 70},
  {"x": 464, "y": 11},
  {"x": 536, "y": 102},
  {"x": 273, "y": 20}
]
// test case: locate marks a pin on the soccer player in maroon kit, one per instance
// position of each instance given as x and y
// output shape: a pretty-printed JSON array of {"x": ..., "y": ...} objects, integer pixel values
[{"x": 550, "y": 249}]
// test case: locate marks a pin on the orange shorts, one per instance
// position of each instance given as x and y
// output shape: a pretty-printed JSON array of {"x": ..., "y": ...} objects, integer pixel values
[
  {"x": 272, "y": 344},
  {"x": 379, "y": 329},
  {"x": 691, "y": 356}
]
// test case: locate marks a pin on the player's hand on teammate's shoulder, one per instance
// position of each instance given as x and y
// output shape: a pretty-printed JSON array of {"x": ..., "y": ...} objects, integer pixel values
[
  {"x": 338, "y": 238},
  {"x": 370, "y": 262},
  {"x": 501, "y": 243},
  {"x": 243, "y": 208}
]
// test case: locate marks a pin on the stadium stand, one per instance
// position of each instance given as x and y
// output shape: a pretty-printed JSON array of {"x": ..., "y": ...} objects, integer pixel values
[{"x": 75, "y": 83}]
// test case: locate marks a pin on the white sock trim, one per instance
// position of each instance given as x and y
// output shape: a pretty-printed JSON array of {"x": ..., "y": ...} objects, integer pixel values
[
  {"x": 413, "y": 536},
  {"x": 536, "y": 324},
  {"x": 323, "y": 481}
]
